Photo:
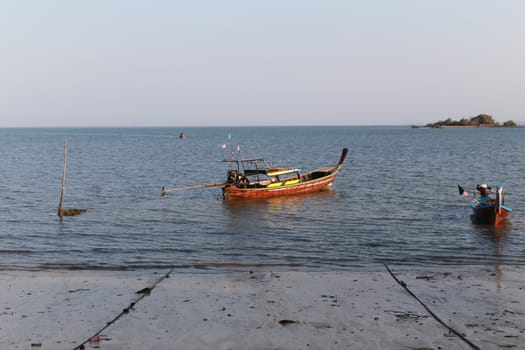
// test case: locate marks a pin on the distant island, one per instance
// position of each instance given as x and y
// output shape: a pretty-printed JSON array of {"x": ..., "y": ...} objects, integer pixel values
[{"x": 480, "y": 121}]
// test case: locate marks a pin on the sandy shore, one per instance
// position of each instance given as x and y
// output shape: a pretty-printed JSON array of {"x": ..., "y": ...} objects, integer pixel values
[{"x": 263, "y": 309}]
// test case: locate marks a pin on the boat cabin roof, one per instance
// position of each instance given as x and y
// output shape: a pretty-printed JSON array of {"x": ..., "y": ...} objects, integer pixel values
[
  {"x": 245, "y": 160},
  {"x": 257, "y": 166}
]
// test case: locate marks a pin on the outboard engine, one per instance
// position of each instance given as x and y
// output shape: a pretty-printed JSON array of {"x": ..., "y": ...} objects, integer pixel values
[{"x": 232, "y": 176}]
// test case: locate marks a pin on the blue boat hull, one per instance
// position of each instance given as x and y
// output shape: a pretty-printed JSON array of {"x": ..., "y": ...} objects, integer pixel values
[{"x": 489, "y": 213}]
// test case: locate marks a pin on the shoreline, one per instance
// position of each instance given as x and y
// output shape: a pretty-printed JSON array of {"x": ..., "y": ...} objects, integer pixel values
[{"x": 263, "y": 308}]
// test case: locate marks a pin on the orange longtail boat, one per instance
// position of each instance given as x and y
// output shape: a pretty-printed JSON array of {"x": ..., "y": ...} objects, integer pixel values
[{"x": 253, "y": 178}]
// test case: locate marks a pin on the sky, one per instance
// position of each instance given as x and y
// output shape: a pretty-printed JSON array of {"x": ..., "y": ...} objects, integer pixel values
[{"x": 271, "y": 62}]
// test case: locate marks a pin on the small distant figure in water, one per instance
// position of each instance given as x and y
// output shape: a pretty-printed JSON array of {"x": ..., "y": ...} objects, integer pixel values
[
  {"x": 182, "y": 136},
  {"x": 483, "y": 189}
]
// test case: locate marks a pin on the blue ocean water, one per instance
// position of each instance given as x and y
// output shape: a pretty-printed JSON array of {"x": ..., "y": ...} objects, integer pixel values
[{"x": 395, "y": 201}]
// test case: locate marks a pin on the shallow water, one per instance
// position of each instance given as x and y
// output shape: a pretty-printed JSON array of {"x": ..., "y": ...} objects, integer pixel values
[{"x": 395, "y": 201}]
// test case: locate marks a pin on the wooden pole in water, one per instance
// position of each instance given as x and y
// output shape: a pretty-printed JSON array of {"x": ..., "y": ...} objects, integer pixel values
[
  {"x": 61, "y": 211},
  {"x": 63, "y": 180}
]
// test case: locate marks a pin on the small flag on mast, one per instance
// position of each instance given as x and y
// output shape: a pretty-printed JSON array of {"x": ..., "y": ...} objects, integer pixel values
[{"x": 462, "y": 191}]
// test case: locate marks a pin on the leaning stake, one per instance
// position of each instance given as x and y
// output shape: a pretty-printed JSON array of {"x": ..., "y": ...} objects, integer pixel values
[
  {"x": 63, "y": 180},
  {"x": 61, "y": 211}
]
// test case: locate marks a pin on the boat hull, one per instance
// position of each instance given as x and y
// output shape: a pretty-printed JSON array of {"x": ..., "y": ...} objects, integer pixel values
[
  {"x": 285, "y": 190},
  {"x": 488, "y": 214}
]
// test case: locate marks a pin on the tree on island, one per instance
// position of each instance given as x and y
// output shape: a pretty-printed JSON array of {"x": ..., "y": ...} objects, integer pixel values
[{"x": 481, "y": 120}]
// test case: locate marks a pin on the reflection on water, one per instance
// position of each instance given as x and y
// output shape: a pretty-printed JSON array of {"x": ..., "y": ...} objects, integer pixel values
[
  {"x": 274, "y": 205},
  {"x": 277, "y": 214},
  {"x": 494, "y": 233},
  {"x": 497, "y": 236}
]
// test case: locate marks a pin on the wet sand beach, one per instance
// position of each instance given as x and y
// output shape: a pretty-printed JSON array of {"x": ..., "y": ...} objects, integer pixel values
[{"x": 262, "y": 309}]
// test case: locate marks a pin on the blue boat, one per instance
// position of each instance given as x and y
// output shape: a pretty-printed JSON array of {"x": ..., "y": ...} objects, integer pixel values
[{"x": 487, "y": 210}]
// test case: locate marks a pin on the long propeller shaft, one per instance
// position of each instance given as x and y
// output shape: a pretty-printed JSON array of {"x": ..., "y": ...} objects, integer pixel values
[{"x": 164, "y": 191}]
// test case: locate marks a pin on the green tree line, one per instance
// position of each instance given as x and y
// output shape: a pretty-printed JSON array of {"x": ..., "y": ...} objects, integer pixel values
[{"x": 480, "y": 120}]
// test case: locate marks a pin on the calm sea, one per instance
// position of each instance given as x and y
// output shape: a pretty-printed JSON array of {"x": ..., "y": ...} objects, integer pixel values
[{"x": 395, "y": 201}]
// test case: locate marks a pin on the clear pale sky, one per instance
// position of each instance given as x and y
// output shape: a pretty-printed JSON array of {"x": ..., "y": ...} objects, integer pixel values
[{"x": 271, "y": 62}]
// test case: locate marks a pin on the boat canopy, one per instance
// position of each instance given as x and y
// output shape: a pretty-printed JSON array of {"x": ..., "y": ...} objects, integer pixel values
[
  {"x": 257, "y": 166},
  {"x": 248, "y": 160}
]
